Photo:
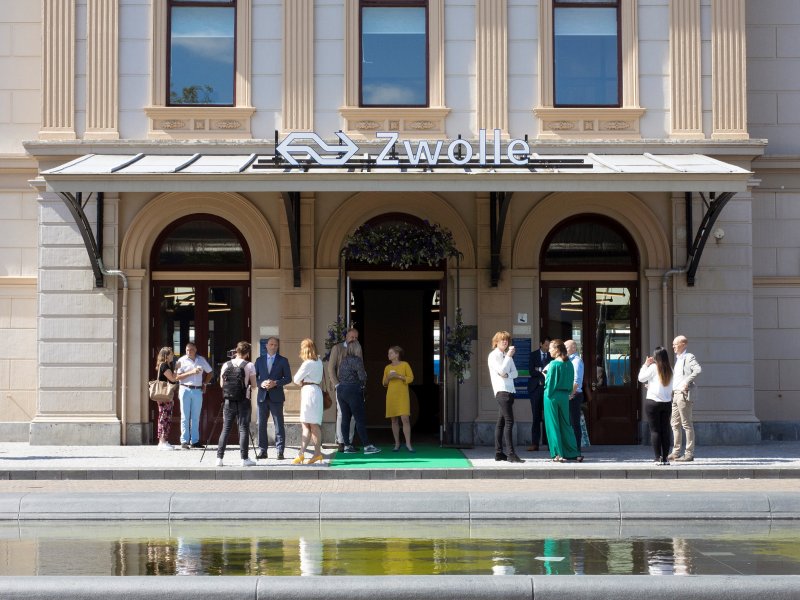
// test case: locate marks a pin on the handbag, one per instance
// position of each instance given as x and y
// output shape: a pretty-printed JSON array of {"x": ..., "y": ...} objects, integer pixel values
[
  {"x": 162, "y": 391},
  {"x": 327, "y": 402}
]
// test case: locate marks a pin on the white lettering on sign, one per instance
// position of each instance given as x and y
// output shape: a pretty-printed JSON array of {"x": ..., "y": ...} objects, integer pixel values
[{"x": 458, "y": 152}]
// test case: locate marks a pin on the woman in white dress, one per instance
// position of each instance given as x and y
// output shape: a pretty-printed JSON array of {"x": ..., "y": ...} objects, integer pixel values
[{"x": 309, "y": 376}]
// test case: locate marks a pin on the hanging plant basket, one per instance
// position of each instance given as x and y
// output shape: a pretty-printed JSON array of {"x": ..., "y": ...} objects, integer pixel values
[{"x": 400, "y": 245}]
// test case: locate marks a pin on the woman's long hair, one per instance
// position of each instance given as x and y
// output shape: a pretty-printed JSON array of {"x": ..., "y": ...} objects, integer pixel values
[
  {"x": 162, "y": 357},
  {"x": 662, "y": 364},
  {"x": 562, "y": 349},
  {"x": 308, "y": 350}
]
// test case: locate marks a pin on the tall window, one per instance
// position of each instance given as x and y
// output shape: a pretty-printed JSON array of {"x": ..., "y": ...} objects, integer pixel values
[
  {"x": 202, "y": 50},
  {"x": 394, "y": 53},
  {"x": 586, "y": 53}
]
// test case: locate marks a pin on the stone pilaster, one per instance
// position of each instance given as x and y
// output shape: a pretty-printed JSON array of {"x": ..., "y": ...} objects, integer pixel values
[
  {"x": 298, "y": 65},
  {"x": 728, "y": 70},
  {"x": 684, "y": 59},
  {"x": 102, "y": 93},
  {"x": 58, "y": 70},
  {"x": 492, "y": 64}
]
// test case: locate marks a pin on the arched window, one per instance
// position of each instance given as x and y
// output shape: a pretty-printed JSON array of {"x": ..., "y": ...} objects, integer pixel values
[
  {"x": 589, "y": 241},
  {"x": 200, "y": 242}
]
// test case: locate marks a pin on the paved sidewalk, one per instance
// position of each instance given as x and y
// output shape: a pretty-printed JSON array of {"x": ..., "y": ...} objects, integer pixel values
[{"x": 20, "y": 461}]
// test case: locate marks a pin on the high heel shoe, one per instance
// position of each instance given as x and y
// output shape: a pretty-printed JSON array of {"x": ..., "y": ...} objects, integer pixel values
[
  {"x": 299, "y": 460},
  {"x": 315, "y": 458},
  {"x": 411, "y": 449}
]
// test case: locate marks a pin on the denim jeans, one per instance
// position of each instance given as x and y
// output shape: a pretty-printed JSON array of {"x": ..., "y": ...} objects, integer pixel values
[
  {"x": 240, "y": 412},
  {"x": 351, "y": 404},
  {"x": 275, "y": 408},
  {"x": 191, "y": 404}
]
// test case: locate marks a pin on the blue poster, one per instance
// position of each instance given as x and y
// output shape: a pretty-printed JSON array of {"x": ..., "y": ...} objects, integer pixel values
[{"x": 522, "y": 360}]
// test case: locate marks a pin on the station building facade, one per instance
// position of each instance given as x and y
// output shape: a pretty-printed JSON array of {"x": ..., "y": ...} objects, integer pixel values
[{"x": 617, "y": 172}]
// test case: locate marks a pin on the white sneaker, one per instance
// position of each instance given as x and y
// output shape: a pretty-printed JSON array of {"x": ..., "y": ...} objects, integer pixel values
[
  {"x": 247, "y": 462},
  {"x": 219, "y": 462},
  {"x": 166, "y": 446},
  {"x": 371, "y": 449}
]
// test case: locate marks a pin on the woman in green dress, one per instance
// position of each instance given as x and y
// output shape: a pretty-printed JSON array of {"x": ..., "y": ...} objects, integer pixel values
[{"x": 557, "y": 388}]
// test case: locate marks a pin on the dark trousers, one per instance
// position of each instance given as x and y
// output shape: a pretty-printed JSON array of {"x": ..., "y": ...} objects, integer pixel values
[
  {"x": 503, "y": 431},
  {"x": 240, "y": 412},
  {"x": 575, "y": 417},
  {"x": 537, "y": 408},
  {"x": 658, "y": 414},
  {"x": 350, "y": 399},
  {"x": 275, "y": 408}
]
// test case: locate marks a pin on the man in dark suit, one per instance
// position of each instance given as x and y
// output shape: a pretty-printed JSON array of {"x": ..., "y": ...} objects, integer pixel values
[
  {"x": 540, "y": 358},
  {"x": 272, "y": 373}
]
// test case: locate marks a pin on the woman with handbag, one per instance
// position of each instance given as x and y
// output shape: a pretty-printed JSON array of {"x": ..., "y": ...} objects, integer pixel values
[{"x": 164, "y": 367}]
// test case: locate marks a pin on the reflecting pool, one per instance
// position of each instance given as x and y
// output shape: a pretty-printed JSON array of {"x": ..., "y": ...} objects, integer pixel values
[{"x": 399, "y": 548}]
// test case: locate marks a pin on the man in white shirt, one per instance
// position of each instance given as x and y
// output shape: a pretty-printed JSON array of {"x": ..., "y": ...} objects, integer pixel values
[
  {"x": 193, "y": 373},
  {"x": 576, "y": 397},
  {"x": 684, "y": 394},
  {"x": 502, "y": 372}
]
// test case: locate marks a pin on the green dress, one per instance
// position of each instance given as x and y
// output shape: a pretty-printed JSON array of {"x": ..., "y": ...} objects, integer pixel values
[{"x": 557, "y": 388}]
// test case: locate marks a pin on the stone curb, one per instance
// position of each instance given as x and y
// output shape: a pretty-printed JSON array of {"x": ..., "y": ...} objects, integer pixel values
[
  {"x": 305, "y": 474},
  {"x": 471, "y": 587},
  {"x": 542, "y": 505}
]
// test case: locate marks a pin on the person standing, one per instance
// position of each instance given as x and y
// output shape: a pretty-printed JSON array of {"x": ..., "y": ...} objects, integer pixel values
[
  {"x": 272, "y": 373},
  {"x": 237, "y": 378},
  {"x": 350, "y": 394},
  {"x": 332, "y": 374},
  {"x": 397, "y": 376},
  {"x": 684, "y": 394},
  {"x": 164, "y": 369},
  {"x": 193, "y": 373},
  {"x": 557, "y": 389},
  {"x": 309, "y": 377},
  {"x": 657, "y": 374},
  {"x": 539, "y": 359},
  {"x": 576, "y": 397},
  {"x": 502, "y": 372}
]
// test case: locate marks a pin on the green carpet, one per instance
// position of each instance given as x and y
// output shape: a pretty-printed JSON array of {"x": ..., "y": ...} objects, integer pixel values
[{"x": 425, "y": 457}]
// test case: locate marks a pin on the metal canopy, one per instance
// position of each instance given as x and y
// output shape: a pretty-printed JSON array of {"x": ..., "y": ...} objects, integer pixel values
[{"x": 245, "y": 173}]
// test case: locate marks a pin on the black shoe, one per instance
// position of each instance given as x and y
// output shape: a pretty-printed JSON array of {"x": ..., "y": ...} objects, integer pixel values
[
  {"x": 514, "y": 458},
  {"x": 261, "y": 455},
  {"x": 280, "y": 455},
  {"x": 185, "y": 446},
  {"x": 198, "y": 445},
  {"x": 341, "y": 448},
  {"x": 498, "y": 456}
]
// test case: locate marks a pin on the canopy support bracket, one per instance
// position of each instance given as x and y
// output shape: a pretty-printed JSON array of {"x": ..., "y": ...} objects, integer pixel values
[
  {"x": 714, "y": 207},
  {"x": 291, "y": 202},
  {"x": 94, "y": 244},
  {"x": 498, "y": 207}
]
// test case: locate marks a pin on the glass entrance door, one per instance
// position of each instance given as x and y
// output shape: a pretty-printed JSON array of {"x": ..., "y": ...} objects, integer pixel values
[
  {"x": 602, "y": 318},
  {"x": 215, "y": 316}
]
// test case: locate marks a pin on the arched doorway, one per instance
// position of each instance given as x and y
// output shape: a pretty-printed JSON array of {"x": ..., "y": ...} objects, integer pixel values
[
  {"x": 200, "y": 293},
  {"x": 400, "y": 307},
  {"x": 590, "y": 293}
]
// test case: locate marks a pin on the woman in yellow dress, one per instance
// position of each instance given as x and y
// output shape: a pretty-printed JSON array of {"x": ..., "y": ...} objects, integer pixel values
[{"x": 396, "y": 377}]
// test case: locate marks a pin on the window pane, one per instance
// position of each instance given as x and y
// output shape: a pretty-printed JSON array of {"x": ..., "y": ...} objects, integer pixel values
[
  {"x": 588, "y": 243},
  {"x": 394, "y": 56},
  {"x": 201, "y": 244},
  {"x": 202, "y": 55},
  {"x": 586, "y": 57}
]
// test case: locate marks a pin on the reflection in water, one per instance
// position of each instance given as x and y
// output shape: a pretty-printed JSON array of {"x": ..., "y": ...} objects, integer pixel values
[{"x": 405, "y": 549}]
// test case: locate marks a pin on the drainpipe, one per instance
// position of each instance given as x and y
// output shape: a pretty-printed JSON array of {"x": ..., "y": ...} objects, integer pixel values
[
  {"x": 124, "y": 344},
  {"x": 664, "y": 283}
]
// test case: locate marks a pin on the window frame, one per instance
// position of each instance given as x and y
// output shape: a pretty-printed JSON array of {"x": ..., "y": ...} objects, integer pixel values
[
  {"x": 393, "y": 4},
  {"x": 171, "y": 5},
  {"x": 616, "y": 4}
]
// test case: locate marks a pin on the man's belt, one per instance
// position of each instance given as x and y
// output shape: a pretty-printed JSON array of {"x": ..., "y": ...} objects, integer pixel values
[{"x": 192, "y": 387}]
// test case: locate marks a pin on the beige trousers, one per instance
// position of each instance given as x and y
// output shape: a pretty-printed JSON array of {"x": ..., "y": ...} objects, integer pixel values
[{"x": 681, "y": 421}]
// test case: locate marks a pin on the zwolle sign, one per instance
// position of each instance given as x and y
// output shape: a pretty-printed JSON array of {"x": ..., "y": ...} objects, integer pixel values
[{"x": 311, "y": 149}]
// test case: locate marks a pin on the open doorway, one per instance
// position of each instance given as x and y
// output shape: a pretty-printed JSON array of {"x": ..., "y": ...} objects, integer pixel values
[{"x": 405, "y": 314}]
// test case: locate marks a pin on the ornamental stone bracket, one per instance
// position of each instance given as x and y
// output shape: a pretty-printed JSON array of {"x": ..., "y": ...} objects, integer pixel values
[
  {"x": 191, "y": 122},
  {"x": 412, "y": 123},
  {"x": 585, "y": 123}
]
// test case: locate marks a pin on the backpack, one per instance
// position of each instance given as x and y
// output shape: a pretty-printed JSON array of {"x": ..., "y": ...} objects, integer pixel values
[{"x": 234, "y": 382}]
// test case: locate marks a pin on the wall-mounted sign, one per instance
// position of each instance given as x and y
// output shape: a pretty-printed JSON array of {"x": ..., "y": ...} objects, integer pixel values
[{"x": 307, "y": 149}]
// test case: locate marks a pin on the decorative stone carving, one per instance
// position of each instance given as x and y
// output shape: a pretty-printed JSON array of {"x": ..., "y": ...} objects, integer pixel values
[
  {"x": 368, "y": 125},
  {"x": 615, "y": 125},
  {"x": 588, "y": 125},
  {"x": 227, "y": 124},
  {"x": 420, "y": 125},
  {"x": 173, "y": 124},
  {"x": 394, "y": 125},
  {"x": 199, "y": 124},
  {"x": 560, "y": 125}
]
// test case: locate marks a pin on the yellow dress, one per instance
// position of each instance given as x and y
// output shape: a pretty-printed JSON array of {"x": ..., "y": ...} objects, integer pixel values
[{"x": 397, "y": 400}]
